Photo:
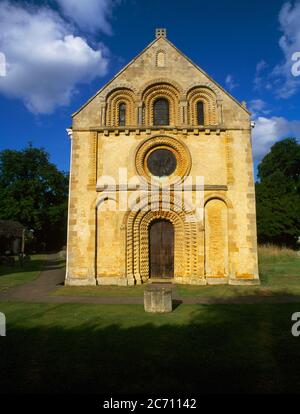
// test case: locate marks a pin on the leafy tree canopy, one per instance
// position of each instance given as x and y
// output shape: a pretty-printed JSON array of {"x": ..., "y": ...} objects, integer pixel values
[
  {"x": 34, "y": 192},
  {"x": 278, "y": 194}
]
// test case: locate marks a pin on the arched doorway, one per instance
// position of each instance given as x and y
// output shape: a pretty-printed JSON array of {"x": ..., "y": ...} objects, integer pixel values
[
  {"x": 161, "y": 249},
  {"x": 187, "y": 239}
]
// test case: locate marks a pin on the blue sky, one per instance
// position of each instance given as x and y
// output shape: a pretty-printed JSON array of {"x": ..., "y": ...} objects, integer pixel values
[{"x": 60, "y": 52}]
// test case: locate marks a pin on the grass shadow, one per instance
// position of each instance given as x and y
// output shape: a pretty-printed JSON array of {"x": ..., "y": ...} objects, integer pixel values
[
  {"x": 31, "y": 266},
  {"x": 121, "y": 349}
]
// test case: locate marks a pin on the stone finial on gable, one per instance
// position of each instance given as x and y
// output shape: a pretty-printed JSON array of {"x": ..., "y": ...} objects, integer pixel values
[{"x": 160, "y": 33}]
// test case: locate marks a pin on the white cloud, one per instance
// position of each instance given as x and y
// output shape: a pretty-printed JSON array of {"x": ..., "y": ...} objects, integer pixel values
[
  {"x": 230, "y": 82},
  {"x": 45, "y": 60},
  {"x": 289, "y": 18},
  {"x": 89, "y": 15},
  {"x": 259, "y": 79},
  {"x": 281, "y": 79},
  {"x": 258, "y": 107},
  {"x": 268, "y": 131},
  {"x": 261, "y": 66}
]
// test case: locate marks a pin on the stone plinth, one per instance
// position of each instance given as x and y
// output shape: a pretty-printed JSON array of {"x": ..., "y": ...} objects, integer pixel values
[{"x": 158, "y": 298}]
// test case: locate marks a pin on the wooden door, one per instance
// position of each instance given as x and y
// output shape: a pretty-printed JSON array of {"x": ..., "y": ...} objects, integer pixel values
[{"x": 161, "y": 249}]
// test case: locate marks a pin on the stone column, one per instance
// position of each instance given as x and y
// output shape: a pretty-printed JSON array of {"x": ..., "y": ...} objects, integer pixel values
[
  {"x": 219, "y": 111},
  {"x": 103, "y": 114},
  {"x": 183, "y": 112},
  {"x": 140, "y": 113}
]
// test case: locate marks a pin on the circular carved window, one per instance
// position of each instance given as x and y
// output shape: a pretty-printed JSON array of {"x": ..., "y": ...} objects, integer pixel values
[
  {"x": 163, "y": 159},
  {"x": 161, "y": 162}
]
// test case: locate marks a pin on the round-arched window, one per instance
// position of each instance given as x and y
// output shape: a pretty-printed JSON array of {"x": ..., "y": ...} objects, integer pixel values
[
  {"x": 122, "y": 114},
  {"x": 161, "y": 112},
  {"x": 200, "y": 113}
]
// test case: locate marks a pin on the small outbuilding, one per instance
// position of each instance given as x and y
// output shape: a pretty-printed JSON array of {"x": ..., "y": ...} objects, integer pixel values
[{"x": 11, "y": 233}]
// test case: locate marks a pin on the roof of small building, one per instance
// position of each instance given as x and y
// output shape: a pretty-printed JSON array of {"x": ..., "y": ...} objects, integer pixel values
[{"x": 11, "y": 229}]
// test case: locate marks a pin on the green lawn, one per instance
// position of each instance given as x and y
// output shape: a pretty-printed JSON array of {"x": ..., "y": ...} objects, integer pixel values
[
  {"x": 119, "y": 348},
  {"x": 11, "y": 276},
  {"x": 104, "y": 291},
  {"x": 279, "y": 274}
]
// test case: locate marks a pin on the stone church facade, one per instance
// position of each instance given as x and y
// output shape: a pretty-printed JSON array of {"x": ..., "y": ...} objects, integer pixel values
[{"x": 159, "y": 126}]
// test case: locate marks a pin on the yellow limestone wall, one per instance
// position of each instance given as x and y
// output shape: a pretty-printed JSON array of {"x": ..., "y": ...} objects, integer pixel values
[{"x": 111, "y": 247}]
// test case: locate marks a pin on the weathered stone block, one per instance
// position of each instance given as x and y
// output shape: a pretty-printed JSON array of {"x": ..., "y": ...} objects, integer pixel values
[{"x": 158, "y": 298}]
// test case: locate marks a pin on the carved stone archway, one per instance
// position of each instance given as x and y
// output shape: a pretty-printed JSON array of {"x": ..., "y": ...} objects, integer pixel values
[{"x": 187, "y": 240}]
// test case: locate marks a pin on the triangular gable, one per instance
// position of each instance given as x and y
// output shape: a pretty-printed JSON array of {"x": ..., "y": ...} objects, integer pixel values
[{"x": 178, "y": 51}]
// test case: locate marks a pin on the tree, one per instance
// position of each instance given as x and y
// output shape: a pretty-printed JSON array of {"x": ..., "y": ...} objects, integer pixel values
[
  {"x": 278, "y": 194},
  {"x": 35, "y": 193}
]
